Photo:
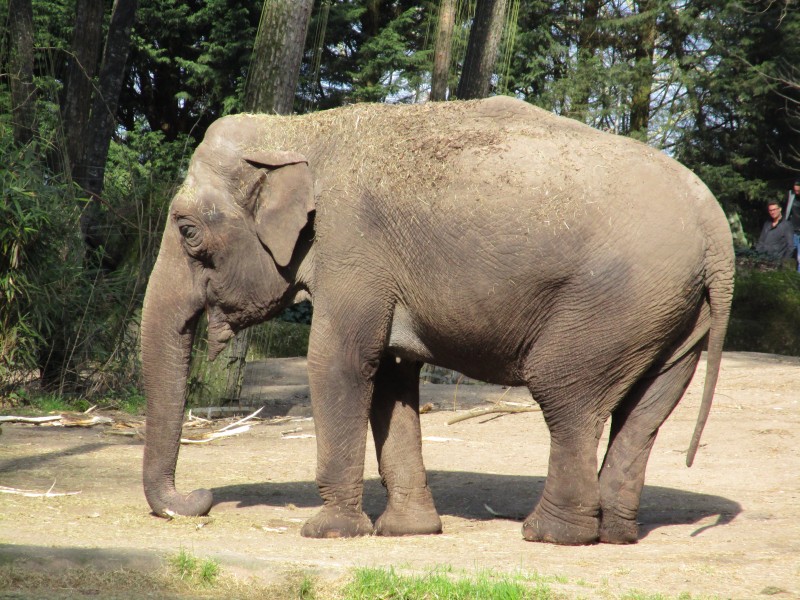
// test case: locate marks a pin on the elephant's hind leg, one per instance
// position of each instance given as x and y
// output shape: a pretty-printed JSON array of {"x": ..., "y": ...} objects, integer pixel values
[
  {"x": 398, "y": 441},
  {"x": 569, "y": 508},
  {"x": 634, "y": 425}
]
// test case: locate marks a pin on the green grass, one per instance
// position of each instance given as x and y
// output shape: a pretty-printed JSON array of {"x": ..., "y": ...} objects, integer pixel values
[
  {"x": 190, "y": 568},
  {"x": 185, "y": 575},
  {"x": 24, "y": 403},
  {"x": 368, "y": 584}
]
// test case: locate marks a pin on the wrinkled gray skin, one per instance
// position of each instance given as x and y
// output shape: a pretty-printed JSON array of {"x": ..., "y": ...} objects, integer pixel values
[{"x": 488, "y": 237}]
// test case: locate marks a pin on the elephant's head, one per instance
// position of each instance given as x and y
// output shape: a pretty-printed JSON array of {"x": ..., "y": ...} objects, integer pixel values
[{"x": 229, "y": 249}]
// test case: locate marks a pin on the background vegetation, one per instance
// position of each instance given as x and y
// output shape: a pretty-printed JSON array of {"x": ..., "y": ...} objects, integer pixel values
[{"x": 100, "y": 113}]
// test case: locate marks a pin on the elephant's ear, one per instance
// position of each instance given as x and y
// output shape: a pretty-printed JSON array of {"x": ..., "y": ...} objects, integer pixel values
[{"x": 284, "y": 200}]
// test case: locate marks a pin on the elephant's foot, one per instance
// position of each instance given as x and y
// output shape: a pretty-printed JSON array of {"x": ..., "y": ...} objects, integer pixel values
[
  {"x": 336, "y": 522},
  {"x": 615, "y": 529},
  {"x": 418, "y": 517},
  {"x": 559, "y": 526},
  {"x": 171, "y": 503}
]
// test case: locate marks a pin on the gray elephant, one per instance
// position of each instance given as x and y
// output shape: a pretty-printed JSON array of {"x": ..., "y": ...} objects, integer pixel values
[{"x": 489, "y": 237}]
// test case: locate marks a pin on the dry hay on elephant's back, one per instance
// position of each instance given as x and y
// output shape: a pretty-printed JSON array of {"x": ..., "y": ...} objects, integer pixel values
[
  {"x": 398, "y": 149},
  {"x": 442, "y": 154}
]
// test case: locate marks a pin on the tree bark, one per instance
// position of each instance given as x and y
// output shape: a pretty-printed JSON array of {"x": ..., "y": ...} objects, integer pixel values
[
  {"x": 104, "y": 113},
  {"x": 86, "y": 39},
  {"x": 277, "y": 55},
  {"x": 644, "y": 54},
  {"x": 484, "y": 41},
  {"x": 23, "y": 93},
  {"x": 442, "y": 52}
]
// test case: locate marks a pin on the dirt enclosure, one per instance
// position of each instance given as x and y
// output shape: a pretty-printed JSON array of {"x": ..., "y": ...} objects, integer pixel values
[{"x": 728, "y": 527}]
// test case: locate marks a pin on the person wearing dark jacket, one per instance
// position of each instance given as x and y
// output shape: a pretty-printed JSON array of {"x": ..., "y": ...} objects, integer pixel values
[
  {"x": 793, "y": 216},
  {"x": 776, "y": 239}
]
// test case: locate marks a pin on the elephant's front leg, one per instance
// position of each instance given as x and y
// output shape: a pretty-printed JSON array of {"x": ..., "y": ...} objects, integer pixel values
[
  {"x": 398, "y": 443},
  {"x": 341, "y": 370}
]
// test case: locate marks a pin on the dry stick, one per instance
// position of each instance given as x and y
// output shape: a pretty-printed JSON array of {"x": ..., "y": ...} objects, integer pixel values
[
  {"x": 498, "y": 407},
  {"x": 487, "y": 410},
  {"x": 215, "y": 435},
  {"x": 12, "y": 419},
  {"x": 240, "y": 421},
  {"x": 233, "y": 429},
  {"x": 31, "y": 494}
]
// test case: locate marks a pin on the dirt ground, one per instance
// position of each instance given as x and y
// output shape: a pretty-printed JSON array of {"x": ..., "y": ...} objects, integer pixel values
[{"x": 728, "y": 527}]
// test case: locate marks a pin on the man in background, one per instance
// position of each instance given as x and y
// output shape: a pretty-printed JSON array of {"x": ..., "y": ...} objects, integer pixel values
[
  {"x": 776, "y": 239},
  {"x": 793, "y": 217}
]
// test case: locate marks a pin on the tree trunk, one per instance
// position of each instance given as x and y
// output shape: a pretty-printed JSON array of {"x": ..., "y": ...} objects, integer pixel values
[
  {"x": 444, "y": 45},
  {"x": 484, "y": 41},
  {"x": 20, "y": 71},
  {"x": 277, "y": 55},
  {"x": 587, "y": 47},
  {"x": 104, "y": 114},
  {"x": 643, "y": 70},
  {"x": 86, "y": 38}
]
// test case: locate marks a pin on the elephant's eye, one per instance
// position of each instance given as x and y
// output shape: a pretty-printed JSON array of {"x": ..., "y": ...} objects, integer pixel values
[{"x": 191, "y": 233}]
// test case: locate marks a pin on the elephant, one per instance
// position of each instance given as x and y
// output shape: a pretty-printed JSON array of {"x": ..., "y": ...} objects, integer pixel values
[{"x": 487, "y": 236}]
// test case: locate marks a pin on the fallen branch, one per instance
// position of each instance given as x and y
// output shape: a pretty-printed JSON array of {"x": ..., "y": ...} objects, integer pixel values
[
  {"x": 215, "y": 435},
  {"x": 65, "y": 420},
  {"x": 240, "y": 421},
  {"x": 78, "y": 421},
  {"x": 37, "y": 420},
  {"x": 32, "y": 494},
  {"x": 496, "y": 408}
]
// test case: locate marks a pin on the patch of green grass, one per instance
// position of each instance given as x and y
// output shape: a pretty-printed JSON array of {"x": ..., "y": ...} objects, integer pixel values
[
  {"x": 24, "y": 403},
  {"x": 306, "y": 589},
  {"x": 30, "y": 581},
  {"x": 637, "y": 595},
  {"x": 389, "y": 585},
  {"x": 190, "y": 568},
  {"x": 131, "y": 401}
]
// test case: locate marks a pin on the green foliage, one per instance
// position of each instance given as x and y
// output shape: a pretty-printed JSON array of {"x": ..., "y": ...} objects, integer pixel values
[
  {"x": 765, "y": 315},
  {"x": 40, "y": 258},
  {"x": 743, "y": 103},
  {"x": 389, "y": 585},
  {"x": 371, "y": 51},
  {"x": 188, "y": 63},
  {"x": 386, "y": 68}
]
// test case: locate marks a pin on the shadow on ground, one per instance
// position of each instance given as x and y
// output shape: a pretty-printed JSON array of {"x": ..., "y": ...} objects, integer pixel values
[{"x": 474, "y": 495}]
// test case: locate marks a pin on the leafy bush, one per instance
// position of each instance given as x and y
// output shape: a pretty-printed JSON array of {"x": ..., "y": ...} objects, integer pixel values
[
  {"x": 67, "y": 316},
  {"x": 40, "y": 258},
  {"x": 766, "y": 312}
]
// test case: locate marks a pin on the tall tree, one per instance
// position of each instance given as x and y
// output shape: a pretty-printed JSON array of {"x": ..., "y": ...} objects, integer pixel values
[
  {"x": 82, "y": 67},
  {"x": 588, "y": 45},
  {"x": 277, "y": 54},
  {"x": 23, "y": 92},
  {"x": 643, "y": 57},
  {"x": 104, "y": 113},
  {"x": 484, "y": 41},
  {"x": 444, "y": 45}
]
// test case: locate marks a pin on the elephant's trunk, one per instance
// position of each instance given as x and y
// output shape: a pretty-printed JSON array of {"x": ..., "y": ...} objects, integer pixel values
[{"x": 169, "y": 318}]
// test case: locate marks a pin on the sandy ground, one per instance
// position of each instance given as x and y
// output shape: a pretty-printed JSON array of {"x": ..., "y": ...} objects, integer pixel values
[{"x": 727, "y": 527}]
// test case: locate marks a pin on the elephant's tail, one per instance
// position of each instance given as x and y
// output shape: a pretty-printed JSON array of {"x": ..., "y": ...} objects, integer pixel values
[{"x": 719, "y": 271}]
